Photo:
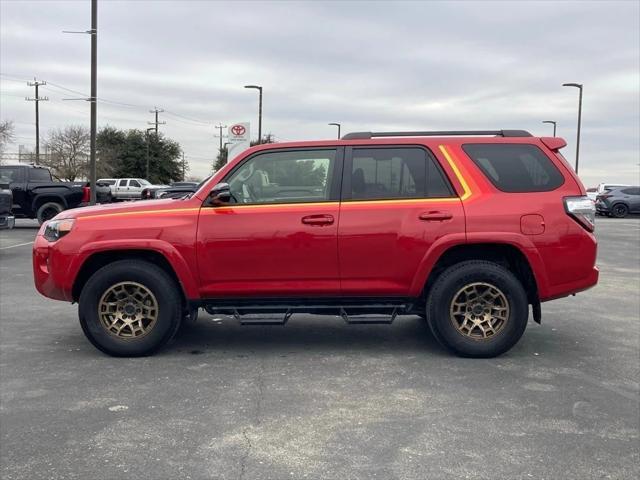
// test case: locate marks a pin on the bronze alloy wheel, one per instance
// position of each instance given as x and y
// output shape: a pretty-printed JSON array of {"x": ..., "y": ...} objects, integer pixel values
[
  {"x": 128, "y": 310},
  {"x": 479, "y": 311}
]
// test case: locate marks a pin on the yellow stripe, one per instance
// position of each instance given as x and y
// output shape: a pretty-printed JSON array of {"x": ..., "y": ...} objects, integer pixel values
[
  {"x": 139, "y": 212},
  {"x": 454, "y": 167}
]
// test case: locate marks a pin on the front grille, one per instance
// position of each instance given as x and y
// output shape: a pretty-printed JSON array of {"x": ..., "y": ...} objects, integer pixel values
[{"x": 5, "y": 203}]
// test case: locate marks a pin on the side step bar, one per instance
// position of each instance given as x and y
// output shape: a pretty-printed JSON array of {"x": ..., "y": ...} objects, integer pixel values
[{"x": 380, "y": 314}]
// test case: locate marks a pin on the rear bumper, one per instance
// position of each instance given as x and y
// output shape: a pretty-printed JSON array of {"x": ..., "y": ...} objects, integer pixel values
[
  {"x": 580, "y": 285},
  {"x": 7, "y": 222}
]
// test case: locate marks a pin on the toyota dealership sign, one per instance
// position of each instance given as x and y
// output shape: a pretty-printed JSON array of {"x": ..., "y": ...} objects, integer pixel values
[{"x": 239, "y": 139}]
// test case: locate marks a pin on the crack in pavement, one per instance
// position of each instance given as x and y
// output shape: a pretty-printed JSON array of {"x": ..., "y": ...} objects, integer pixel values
[{"x": 256, "y": 421}]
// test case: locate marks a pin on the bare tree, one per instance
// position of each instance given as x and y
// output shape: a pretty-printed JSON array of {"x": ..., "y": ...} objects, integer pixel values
[
  {"x": 68, "y": 152},
  {"x": 6, "y": 135}
]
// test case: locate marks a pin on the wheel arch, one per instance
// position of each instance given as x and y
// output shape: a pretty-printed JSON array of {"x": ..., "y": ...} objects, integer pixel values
[
  {"x": 99, "y": 259},
  {"x": 43, "y": 198},
  {"x": 505, "y": 254}
]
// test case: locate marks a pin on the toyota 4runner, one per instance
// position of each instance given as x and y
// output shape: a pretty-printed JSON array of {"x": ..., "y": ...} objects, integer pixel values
[{"x": 465, "y": 229}]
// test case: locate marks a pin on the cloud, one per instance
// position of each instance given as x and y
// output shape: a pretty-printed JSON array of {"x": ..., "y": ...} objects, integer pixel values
[{"x": 368, "y": 65}]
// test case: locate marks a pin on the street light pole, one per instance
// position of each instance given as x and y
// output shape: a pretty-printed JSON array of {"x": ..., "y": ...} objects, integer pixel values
[
  {"x": 554, "y": 123},
  {"x": 579, "y": 87},
  {"x": 94, "y": 100},
  {"x": 259, "y": 88},
  {"x": 336, "y": 125}
]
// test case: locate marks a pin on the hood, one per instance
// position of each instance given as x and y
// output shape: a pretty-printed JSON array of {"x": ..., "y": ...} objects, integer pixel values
[{"x": 111, "y": 208}]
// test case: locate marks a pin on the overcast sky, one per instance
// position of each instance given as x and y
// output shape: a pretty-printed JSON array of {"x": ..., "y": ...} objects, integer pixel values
[{"x": 367, "y": 65}]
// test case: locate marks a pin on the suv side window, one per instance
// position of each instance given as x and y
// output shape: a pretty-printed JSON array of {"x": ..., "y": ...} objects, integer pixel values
[
  {"x": 631, "y": 191},
  {"x": 291, "y": 176},
  {"x": 515, "y": 167},
  {"x": 134, "y": 183},
  {"x": 395, "y": 173},
  {"x": 122, "y": 183}
]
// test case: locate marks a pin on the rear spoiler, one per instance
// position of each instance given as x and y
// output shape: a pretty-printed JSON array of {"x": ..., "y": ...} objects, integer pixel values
[{"x": 554, "y": 143}]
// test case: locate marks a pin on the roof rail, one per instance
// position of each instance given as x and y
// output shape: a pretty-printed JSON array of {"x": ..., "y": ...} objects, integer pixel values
[{"x": 475, "y": 133}]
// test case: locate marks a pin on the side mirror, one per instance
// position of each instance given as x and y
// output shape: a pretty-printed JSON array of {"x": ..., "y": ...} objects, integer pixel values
[{"x": 221, "y": 193}]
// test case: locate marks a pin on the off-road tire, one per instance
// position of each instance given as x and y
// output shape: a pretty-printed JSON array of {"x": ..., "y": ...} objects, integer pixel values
[
  {"x": 155, "y": 280},
  {"x": 455, "y": 278}
]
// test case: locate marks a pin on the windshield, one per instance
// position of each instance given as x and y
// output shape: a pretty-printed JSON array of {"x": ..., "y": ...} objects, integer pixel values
[{"x": 144, "y": 182}]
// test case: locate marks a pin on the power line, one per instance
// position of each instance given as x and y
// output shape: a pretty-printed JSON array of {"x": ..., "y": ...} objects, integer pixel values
[{"x": 37, "y": 99}]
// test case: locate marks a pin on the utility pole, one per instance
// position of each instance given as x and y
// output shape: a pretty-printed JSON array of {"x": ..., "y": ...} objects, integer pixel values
[
  {"x": 156, "y": 123},
  {"x": 148, "y": 130},
  {"x": 94, "y": 103},
  {"x": 220, "y": 127},
  {"x": 37, "y": 99},
  {"x": 93, "y": 98}
]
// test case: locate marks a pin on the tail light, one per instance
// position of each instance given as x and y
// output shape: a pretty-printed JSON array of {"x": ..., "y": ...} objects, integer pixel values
[
  {"x": 86, "y": 194},
  {"x": 582, "y": 210},
  {"x": 602, "y": 197}
]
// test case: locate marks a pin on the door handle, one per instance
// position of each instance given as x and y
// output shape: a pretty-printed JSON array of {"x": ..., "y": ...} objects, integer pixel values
[
  {"x": 318, "y": 220},
  {"x": 435, "y": 216}
]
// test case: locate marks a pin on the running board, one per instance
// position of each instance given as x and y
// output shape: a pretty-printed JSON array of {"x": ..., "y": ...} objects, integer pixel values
[{"x": 372, "y": 314}]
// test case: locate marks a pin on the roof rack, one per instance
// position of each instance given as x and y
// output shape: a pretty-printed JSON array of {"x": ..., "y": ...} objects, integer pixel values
[{"x": 475, "y": 133}]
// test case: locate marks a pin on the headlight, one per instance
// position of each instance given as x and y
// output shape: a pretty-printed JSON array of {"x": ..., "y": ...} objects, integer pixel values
[{"x": 56, "y": 229}]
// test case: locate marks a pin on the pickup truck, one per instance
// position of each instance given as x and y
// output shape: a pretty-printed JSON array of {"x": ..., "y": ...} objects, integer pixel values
[
  {"x": 129, "y": 188},
  {"x": 37, "y": 195}
]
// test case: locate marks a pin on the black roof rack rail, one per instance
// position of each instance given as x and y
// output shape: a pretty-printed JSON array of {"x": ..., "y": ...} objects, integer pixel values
[{"x": 475, "y": 133}]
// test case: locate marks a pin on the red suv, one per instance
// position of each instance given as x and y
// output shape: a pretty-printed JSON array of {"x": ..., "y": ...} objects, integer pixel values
[{"x": 466, "y": 229}]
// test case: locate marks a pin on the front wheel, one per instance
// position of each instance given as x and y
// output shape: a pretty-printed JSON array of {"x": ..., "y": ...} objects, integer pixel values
[
  {"x": 477, "y": 309},
  {"x": 130, "y": 308}
]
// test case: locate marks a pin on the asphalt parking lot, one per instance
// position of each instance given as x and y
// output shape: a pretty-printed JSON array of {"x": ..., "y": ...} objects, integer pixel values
[{"x": 319, "y": 399}]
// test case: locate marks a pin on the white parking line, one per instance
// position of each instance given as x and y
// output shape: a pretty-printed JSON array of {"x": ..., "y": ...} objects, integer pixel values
[{"x": 18, "y": 245}]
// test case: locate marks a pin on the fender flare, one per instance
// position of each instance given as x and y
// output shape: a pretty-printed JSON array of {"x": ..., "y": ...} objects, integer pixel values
[
  {"x": 521, "y": 242},
  {"x": 176, "y": 261}
]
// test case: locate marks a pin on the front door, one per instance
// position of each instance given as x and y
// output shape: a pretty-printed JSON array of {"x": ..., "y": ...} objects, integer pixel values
[
  {"x": 278, "y": 237},
  {"x": 396, "y": 202}
]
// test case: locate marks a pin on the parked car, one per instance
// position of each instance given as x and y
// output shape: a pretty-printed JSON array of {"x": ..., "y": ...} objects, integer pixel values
[
  {"x": 466, "y": 229},
  {"x": 37, "y": 195},
  {"x": 7, "y": 220},
  {"x": 129, "y": 188},
  {"x": 619, "y": 202},
  {"x": 174, "y": 190},
  {"x": 592, "y": 193}
]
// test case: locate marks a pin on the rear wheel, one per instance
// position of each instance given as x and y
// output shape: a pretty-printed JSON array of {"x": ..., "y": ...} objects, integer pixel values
[
  {"x": 619, "y": 210},
  {"x": 477, "y": 309},
  {"x": 130, "y": 308},
  {"x": 47, "y": 211}
]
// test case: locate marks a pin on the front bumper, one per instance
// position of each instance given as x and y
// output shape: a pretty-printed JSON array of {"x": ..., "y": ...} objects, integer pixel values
[
  {"x": 7, "y": 222},
  {"x": 50, "y": 268}
]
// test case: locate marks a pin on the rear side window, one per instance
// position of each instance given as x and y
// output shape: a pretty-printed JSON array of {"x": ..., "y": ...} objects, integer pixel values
[
  {"x": 515, "y": 167},
  {"x": 631, "y": 191},
  {"x": 39, "y": 175},
  {"x": 395, "y": 173}
]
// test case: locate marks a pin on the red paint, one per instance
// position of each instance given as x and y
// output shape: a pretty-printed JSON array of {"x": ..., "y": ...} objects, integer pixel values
[{"x": 364, "y": 248}]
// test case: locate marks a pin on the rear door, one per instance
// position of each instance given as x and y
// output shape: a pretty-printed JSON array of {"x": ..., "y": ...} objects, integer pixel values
[{"x": 396, "y": 202}]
